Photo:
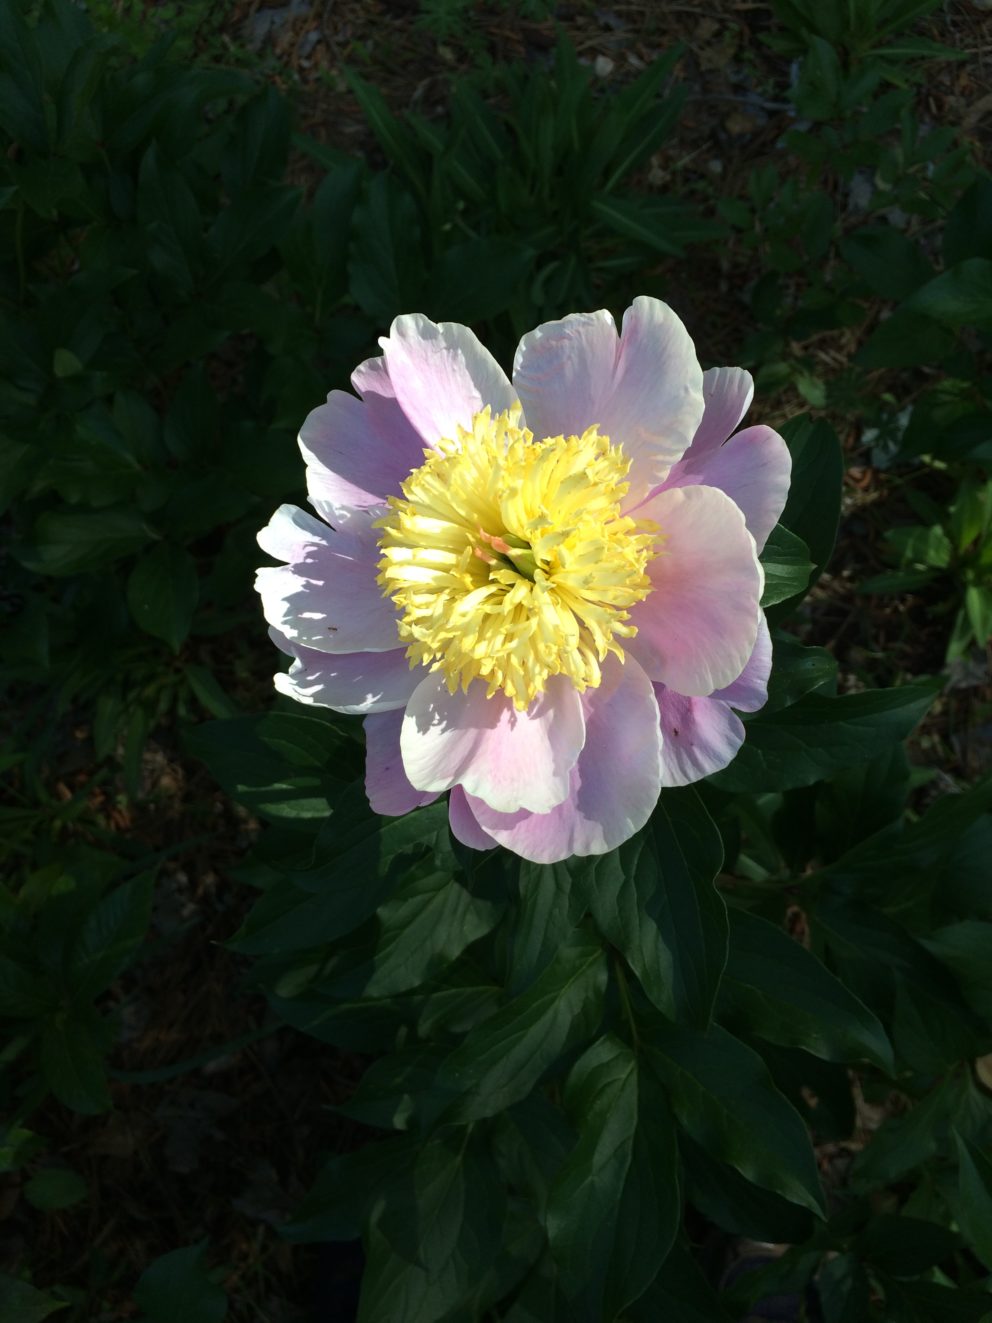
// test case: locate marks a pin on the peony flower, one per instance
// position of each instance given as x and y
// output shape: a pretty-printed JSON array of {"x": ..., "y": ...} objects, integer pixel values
[{"x": 543, "y": 594}]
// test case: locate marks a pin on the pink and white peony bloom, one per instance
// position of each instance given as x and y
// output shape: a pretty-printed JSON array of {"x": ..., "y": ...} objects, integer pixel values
[{"x": 543, "y": 594}]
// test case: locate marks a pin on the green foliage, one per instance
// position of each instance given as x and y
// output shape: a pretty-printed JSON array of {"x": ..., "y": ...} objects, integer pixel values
[
  {"x": 534, "y": 196},
  {"x": 178, "y": 1285},
  {"x": 607, "y": 1039},
  {"x": 21, "y": 1303},
  {"x": 956, "y": 552},
  {"x": 571, "y": 1065}
]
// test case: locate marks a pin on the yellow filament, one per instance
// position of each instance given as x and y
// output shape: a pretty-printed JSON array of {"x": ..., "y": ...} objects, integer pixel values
[{"x": 510, "y": 561}]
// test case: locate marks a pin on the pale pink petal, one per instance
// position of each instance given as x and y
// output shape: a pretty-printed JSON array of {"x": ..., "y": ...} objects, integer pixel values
[
  {"x": 442, "y": 375},
  {"x": 290, "y": 532},
  {"x": 699, "y": 736},
  {"x": 510, "y": 759},
  {"x": 356, "y": 682},
  {"x": 698, "y": 625},
  {"x": 749, "y": 692},
  {"x": 564, "y": 373},
  {"x": 386, "y": 783},
  {"x": 727, "y": 396},
  {"x": 327, "y": 597},
  {"x": 753, "y": 468},
  {"x": 358, "y": 452},
  {"x": 702, "y": 735},
  {"x": 464, "y": 825},
  {"x": 643, "y": 389},
  {"x": 614, "y": 786}
]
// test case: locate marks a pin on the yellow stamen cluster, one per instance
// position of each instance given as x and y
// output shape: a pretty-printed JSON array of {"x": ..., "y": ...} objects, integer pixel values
[{"x": 510, "y": 560}]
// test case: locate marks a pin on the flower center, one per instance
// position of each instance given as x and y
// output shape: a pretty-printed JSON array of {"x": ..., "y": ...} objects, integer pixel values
[{"x": 510, "y": 561}]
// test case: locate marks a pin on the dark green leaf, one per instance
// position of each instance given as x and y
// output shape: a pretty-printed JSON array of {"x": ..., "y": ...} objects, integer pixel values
[
  {"x": 654, "y": 899},
  {"x": 478, "y": 279},
  {"x": 959, "y": 297},
  {"x": 729, "y": 1201},
  {"x": 422, "y": 928},
  {"x": 773, "y": 987},
  {"x": 843, "y": 1290},
  {"x": 637, "y": 219},
  {"x": 22, "y": 1303},
  {"x": 178, "y": 1286},
  {"x": 968, "y": 232},
  {"x": 966, "y": 949},
  {"x": 52, "y": 1188},
  {"x": 426, "y": 1244},
  {"x": 341, "y": 895},
  {"x": 73, "y": 541},
  {"x": 395, "y": 138},
  {"x": 601, "y": 1098},
  {"x": 820, "y": 735},
  {"x": 906, "y": 339},
  {"x": 796, "y": 671},
  {"x": 109, "y": 937},
  {"x": 905, "y": 1142},
  {"x": 162, "y": 592},
  {"x": 929, "y": 1302},
  {"x": 813, "y": 506},
  {"x": 905, "y": 1246},
  {"x": 331, "y": 220},
  {"x": 972, "y": 1202},
  {"x": 723, "y": 1096},
  {"x": 397, "y": 1092},
  {"x": 890, "y": 263},
  {"x": 255, "y": 222},
  {"x": 72, "y": 1052},
  {"x": 24, "y": 994},
  {"x": 258, "y": 146},
  {"x": 265, "y": 775},
  {"x": 347, "y": 1187},
  {"x": 681, "y": 1293},
  {"x": 787, "y": 566},
  {"x": 386, "y": 267},
  {"x": 548, "y": 908},
  {"x": 507, "y": 1054}
]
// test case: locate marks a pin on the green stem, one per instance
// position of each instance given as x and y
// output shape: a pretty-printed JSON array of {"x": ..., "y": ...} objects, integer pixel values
[
  {"x": 19, "y": 249},
  {"x": 628, "y": 1010}
]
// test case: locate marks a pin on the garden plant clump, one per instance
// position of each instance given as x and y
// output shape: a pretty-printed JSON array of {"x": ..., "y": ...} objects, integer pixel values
[{"x": 271, "y": 1052}]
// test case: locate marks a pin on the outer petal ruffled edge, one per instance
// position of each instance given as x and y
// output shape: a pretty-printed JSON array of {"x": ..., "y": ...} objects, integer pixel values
[
  {"x": 614, "y": 785},
  {"x": 644, "y": 389},
  {"x": 510, "y": 759},
  {"x": 442, "y": 375},
  {"x": 326, "y": 598},
  {"x": 386, "y": 784},
  {"x": 351, "y": 682},
  {"x": 753, "y": 468},
  {"x": 698, "y": 626},
  {"x": 358, "y": 451}
]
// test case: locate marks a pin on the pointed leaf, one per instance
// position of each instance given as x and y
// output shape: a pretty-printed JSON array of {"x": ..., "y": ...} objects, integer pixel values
[
  {"x": 775, "y": 988},
  {"x": 973, "y": 1202},
  {"x": 506, "y": 1056},
  {"x": 722, "y": 1094},
  {"x": 614, "y": 1209},
  {"x": 654, "y": 899}
]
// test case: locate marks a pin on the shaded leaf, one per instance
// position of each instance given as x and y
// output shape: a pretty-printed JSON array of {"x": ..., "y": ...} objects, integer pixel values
[
  {"x": 819, "y": 735},
  {"x": 178, "y": 1286},
  {"x": 723, "y": 1096},
  {"x": 507, "y": 1054},
  {"x": 654, "y": 899},
  {"x": 775, "y": 988},
  {"x": 162, "y": 592}
]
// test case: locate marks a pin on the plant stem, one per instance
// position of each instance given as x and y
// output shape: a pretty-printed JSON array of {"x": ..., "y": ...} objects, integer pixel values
[{"x": 628, "y": 1010}]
